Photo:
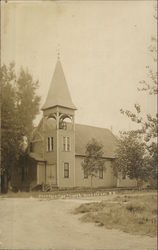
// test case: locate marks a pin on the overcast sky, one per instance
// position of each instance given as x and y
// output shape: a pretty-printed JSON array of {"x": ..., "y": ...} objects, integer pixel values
[{"x": 103, "y": 47}]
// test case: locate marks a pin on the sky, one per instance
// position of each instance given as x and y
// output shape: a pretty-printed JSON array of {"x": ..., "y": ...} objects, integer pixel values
[{"x": 103, "y": 50}]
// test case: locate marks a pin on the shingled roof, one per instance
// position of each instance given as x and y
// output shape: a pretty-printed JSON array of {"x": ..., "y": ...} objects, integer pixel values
[
  {"x": 84, "y": 133},
  {"x": 58, "y": 94}
]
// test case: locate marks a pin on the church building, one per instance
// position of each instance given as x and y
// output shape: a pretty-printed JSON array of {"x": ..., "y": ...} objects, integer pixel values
[{"x": 58, "y": 144}]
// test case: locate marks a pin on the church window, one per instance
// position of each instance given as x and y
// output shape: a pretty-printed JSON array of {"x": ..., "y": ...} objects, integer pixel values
[
  {"x": 66, "y": 170},
  {"x": 63, "y": 125},
  {"x": 66, "y": 143},
  {"x": 50, "y": 144},
  {"x": 101, "y": 173}
]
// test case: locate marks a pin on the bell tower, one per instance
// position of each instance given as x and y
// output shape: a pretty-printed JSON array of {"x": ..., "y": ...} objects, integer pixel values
[{"x": 60, "y": 110}]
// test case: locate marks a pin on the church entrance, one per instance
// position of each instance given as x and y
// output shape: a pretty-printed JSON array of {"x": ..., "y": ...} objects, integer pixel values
[
  {"x": 51, "y": 174},
  {"x": 41, "y": 173}
]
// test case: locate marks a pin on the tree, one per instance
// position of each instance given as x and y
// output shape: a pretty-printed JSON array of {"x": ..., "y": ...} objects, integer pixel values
[
  {"x": 16, "y": 114},
  {"x": 130, "y": 157},
  {"x": 93, "y": 160},
  {"x": 9, "y": 136},
  {"x": 148, "y": 123},
  {"x": 27, "y": 102}
]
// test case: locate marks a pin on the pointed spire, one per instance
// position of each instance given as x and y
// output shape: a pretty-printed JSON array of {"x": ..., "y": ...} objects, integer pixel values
[
  {"x": 58, "y": 52},
  {"x": 58, "y": 94}
]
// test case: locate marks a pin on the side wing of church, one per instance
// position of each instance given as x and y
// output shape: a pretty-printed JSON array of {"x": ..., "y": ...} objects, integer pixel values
[{"x": 58, "y": 144}]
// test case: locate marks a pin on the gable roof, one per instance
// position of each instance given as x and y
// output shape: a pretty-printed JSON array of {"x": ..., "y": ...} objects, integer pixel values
[
  {"x": 84, "y": 134},
  {"x": 58, "y": 94},
  {"x": 36, "y": 156}
]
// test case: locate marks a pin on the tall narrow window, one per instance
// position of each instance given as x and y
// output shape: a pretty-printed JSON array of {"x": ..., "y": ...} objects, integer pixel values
[
  {"x": 50, "y": 144},
  {"x": 66, "y": 170},
  {"x": 66, "y": 143},
  {"x": 101, "y": 173}
]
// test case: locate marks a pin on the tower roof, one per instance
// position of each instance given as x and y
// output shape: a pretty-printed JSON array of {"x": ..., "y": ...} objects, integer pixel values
[{"x": 58, "y": 94}]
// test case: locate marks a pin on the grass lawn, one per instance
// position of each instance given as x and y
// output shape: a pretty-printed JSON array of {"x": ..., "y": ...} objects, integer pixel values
[{"x": 130, "y": 213}]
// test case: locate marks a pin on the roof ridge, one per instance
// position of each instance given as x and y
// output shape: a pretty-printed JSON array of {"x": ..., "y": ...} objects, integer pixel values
[{"x": 92, "y": 126}]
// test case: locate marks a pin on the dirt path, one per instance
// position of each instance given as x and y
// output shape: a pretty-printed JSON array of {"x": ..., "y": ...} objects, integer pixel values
[{"x": 42, "y": 224}]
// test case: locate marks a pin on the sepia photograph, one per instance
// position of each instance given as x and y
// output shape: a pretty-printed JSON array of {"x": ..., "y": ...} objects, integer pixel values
[{"x": 78, "y": 137}]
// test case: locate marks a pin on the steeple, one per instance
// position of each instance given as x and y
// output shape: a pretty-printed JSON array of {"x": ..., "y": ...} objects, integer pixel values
[{"x": 58, "y": 94}]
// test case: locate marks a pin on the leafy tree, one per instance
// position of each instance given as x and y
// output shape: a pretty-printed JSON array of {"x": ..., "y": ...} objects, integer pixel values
[
  {"x": 27, "y": 101},
  {"x": 148, "y": 123},
  {"x": 19, "y": 106},
  {"x": 151, "y": 85},
  {"x": 9, "y": 135},
  {"x": 93, "y": 160},
  {"x": 130, "y": 157}
]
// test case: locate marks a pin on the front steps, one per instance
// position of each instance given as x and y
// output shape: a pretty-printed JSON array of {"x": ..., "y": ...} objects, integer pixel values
[
  {"x": 49, "y": 187},
  {"x": 44, "y": 187}
]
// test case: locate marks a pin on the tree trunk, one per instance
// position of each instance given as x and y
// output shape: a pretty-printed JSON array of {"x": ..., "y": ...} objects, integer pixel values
[
  {"x": 139, "y": 184},
  {"x": 91, "y": 180},
  {"x": 4, "y": 183}
]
